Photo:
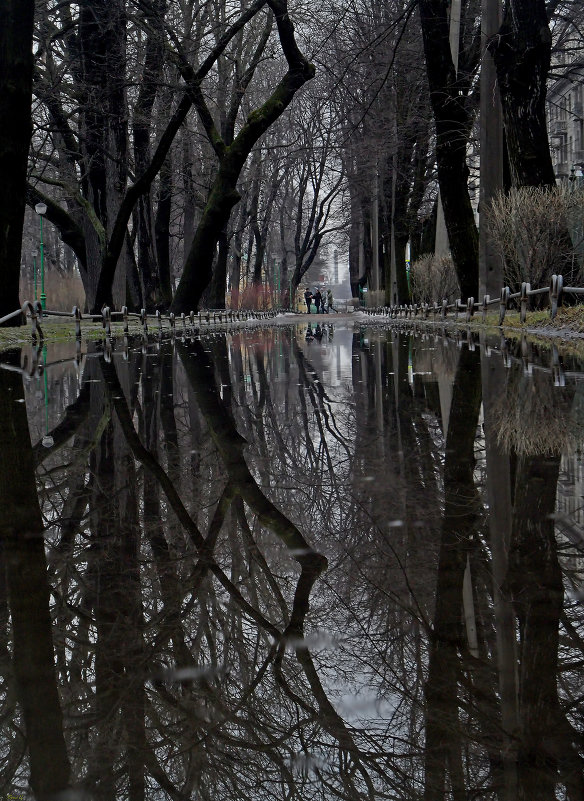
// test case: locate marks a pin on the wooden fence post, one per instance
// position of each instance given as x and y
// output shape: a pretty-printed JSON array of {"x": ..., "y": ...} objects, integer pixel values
[
  {"x": 556, "y": 294},
  {"x": 503, "y": 303},
  {"x": 524, "y": 301}
]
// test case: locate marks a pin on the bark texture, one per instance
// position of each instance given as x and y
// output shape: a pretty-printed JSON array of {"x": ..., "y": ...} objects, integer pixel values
[
  {"x": 522, "y": 52},
  {"x": 453, "y": 120}
]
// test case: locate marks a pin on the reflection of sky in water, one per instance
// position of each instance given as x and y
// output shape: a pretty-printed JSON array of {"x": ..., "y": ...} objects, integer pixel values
[{"x": 331, "y": 355}]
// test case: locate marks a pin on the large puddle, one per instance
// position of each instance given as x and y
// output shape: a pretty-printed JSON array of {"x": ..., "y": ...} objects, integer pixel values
[{"x": 299, "y": 563}]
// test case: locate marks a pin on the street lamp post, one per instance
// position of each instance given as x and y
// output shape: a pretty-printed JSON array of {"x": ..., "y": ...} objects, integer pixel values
[
  {"x": 41, "y": 209},
  {"x": 34, "y": 273}
]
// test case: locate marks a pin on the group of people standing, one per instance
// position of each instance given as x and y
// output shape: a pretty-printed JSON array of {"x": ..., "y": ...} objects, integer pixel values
[{"x": 322, "y": 302}]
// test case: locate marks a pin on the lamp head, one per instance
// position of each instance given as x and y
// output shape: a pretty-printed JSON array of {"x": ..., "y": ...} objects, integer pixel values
[{"x": 41, "y": 208}]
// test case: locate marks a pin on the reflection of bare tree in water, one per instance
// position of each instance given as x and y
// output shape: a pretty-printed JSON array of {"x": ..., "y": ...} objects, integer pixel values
[
  {"x": 186, "y": 517},
  {"x": 545, "y": 740},
  {"x": 25, "y": 596},
  {"x": 444, "y": 740}
]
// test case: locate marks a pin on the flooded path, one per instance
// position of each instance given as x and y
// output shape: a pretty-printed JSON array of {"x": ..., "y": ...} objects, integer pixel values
[{"x": 320, "y": 561}]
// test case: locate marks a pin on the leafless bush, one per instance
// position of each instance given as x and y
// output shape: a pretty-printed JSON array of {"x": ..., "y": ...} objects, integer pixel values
[
  {"x": 374, "y": 298},
  {"x": 433, "y": 278},
  {"x": 253, "y": 297},
  {"x": 531, "y": 228}
]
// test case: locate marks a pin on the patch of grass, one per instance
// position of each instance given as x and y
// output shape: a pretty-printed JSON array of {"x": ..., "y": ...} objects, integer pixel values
[
  {"x": 56, "y": 330},
  {"x": 566, "y": 330}
]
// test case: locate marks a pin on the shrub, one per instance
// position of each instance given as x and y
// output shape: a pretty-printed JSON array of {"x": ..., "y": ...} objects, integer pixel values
[
  {"x": 254, "y": 297},
  {"x": 374, "y": 298},
  {"x": 433, "y": 278},
  {"x": 537, "y": 232}
]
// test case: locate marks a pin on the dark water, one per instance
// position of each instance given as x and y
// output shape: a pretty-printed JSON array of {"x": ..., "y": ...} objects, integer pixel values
[{"x": 267, "y": 565}]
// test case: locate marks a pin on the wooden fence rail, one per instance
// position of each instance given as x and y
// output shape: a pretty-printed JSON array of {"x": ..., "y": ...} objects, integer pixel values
[
  {"x": 210, "y": 317},
  {"x": 555, "y": 290}
]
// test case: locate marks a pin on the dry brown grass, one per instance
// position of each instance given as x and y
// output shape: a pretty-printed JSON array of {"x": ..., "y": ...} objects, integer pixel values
[{"x": 63, "y": 291}]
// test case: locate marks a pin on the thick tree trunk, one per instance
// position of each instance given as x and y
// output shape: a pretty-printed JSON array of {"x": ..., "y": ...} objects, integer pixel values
[
  {"x": 102, "y": 31},
  {"x": 16, "y": 66},
  {"x": 354, "y": 241},
  {"x": 260, "y": 252},
  {"x": 453, "y": 124},
  {"x": 163, "y": 292},
  {"x": 149, "y": 85},
  {"x": 235, "y": 277},
  {"x": 198, "y": 269},
  {"x": 522, "y": 51},
  {"x": 219, "y": 280}
]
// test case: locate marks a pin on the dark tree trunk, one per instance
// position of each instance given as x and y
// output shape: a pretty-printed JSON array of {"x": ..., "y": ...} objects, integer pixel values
[
  {"x": 102, "y": 33},
  {"x": 367, "y": 244},
  {"x": 219, "y": 281},
  {"x": 453, "y": 123},
  {"x": 260, "y": 252},
  {"x": 163, "y": 292},
  {"x": 354, "y": 241},
  {"x": 16, "y": 66},
  {"x": 149, "y": 85},
  {"x": 522, "y": 51},
  {"x": 235, "y": 277},
  {"x": 198, "y": 269}
]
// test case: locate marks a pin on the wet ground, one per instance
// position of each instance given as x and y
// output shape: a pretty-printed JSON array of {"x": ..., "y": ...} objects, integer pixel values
[{"x": 312, "y": 561}]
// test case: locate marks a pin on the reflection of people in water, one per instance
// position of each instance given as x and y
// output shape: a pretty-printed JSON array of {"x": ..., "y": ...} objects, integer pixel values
[
  {"x": 309, "y": 334},
  {"x": 318, "y": 333}
]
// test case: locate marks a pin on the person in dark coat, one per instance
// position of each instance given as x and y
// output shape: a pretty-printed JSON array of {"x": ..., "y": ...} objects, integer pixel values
[
  {"x": 317, "y": 300},
  {"x": 308, "y": 299}
]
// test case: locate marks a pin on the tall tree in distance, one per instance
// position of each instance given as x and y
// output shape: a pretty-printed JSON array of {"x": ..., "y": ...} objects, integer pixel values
[{"x": 16, "y": 66}]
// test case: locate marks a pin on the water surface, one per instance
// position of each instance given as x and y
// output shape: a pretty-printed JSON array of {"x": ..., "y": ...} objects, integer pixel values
[{"x": 294, "y": 563}]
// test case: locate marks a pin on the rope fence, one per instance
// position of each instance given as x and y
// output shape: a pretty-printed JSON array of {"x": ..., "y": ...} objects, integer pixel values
[{"x": 555, "y": 290}]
